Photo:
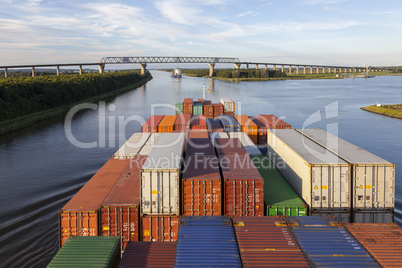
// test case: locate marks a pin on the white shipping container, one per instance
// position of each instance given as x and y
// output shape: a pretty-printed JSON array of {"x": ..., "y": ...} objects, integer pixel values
[
  {"x": 147, "y": 148},
  {"x": 247, "y": 143},
  {"x": 228, "y": 104},
  {"x": 321, "y": 178},
  {"x": 132, "y": 146},
  {"x": 373, "y": 178},
  {"x": 160, "y": 176},
  {"x": 217, "y": 135}
]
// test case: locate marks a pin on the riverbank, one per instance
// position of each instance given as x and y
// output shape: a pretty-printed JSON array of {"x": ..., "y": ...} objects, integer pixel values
[
  {"x": 394, "y": 110},
  {"x": 30, "y": 119}
]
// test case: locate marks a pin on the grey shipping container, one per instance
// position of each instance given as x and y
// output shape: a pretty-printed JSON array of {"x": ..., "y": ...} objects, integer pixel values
[
  {"x": 321, "y": 178},
  {"x": 132, "y": 146},
  {"x": 160, "y": 176},
  {"x": 247, "y": 143},
  {"x": 147, "y": 148},
  {"x": 228, "y": 104},
  {"x": 373, "y": 178}
]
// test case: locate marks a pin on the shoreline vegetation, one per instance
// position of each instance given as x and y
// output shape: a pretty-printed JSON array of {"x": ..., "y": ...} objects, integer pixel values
[
  {"x": 391, "y": 110},
  {"x": 28, "y": 100},
  {"x": 258, "y": 74}
]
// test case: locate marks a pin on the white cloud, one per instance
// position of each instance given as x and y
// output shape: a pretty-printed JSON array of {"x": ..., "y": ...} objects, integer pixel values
[
  {"x": 245, "y": 13},
  {"x": 331, "y": 8},
  {"x": 178, "y": 12}
]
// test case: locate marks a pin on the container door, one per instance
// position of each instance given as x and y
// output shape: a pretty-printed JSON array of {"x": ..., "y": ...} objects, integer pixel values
[
  {"x": 149, "y": 192},
  {"x": 363, "y": 186},
  {"x": 316, "y": 183},
  {"x": 383, "y": 188}
]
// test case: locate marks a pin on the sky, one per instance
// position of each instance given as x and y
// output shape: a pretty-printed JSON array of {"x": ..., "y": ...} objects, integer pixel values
[{"x": 325, "y": 32}]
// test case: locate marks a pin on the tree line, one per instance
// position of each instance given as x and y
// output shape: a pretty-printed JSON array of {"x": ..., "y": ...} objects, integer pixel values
[{"x": 20, "y": 96}]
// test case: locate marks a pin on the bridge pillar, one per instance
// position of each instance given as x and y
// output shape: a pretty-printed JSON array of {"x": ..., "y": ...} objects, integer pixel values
[
  {"x": 266, "y": 67},
  {"x": 297, "y": 69},
  {"x": 304, "y": 69},
  {"x": 246, "y": 66},
  {"x": 334, "y": 70},
  {"x": 80, "y": 69},
  {"x": 274, "y": 67},
  {"x": 318, "y": 70},
  {"x": 5, "y": 72},
  {"x": 329, "y": 70},
  {"x": 211, "y": 69},
  {"x": 290, "y": 69},
  {"x": 143, "y": 68},
  {"x": 33, "y": 71},
  {"x": 283, "y": 68},
  {"x": 311, "y": 69},
  {"x": 256, "y": 66},
  {"x": 101, "y": 68},
  {"x": 58, "y": 70},
  {"x": 237, "y": 65}
]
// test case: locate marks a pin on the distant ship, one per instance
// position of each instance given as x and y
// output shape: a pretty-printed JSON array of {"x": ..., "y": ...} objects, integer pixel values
[{"x": 176, "y": 73}]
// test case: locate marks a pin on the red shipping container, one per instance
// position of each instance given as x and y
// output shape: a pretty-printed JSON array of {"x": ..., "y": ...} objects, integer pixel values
[
  {"x": 243, "y": 186},
  {"x": 228, "y": 146},
  {"x": 120, "y": 209},
  {"x": 208, "y": 109},
  {"x": 159, "y": 228},
  {"x": 152, "y": 124},
  {"x": 80, "y": 216},
  {"x": 188, "y": 106},
  {"x": 267, "y": 242},
  {"x": 201, "y": 186},
  {"x": 199, "y": 146},
  {"x": 218, "y": 109},
  {"x": 182, "y": 122},
  {"x": 198, "y": 122},
  {"x": 262, "y": 129},
  {"x": 275, "y": 122},
  {"x": 202, "y": 100},
  {"x": 149, "y": 255},
  {"x": 198, "y": 134},
  {"x": 228, "y": 113}
]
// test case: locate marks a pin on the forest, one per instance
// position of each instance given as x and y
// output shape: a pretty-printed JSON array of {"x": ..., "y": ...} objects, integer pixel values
[{"x": 22, "y": 95}]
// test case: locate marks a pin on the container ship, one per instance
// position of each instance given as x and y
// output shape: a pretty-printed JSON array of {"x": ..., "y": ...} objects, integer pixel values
[{"x": 207, "y": 187}]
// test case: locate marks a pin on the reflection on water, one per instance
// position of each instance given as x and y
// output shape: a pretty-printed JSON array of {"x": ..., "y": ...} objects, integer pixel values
[{"x": 41, "y": 170}]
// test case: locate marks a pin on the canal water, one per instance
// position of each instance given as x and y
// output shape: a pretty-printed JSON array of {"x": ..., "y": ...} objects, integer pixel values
[{"x": 43, "y": 167}]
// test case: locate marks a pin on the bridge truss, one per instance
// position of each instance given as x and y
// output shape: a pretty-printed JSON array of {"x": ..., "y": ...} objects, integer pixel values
[{"x": 118, "y": 60}]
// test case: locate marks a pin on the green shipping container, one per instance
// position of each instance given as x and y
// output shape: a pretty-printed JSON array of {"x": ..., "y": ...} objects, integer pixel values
[
  {"x": 280, "y": 198},
  {"x": 197, "y": 108},
  {"x": 88, "y": 251},
  {"x": 179, "y": 108}
]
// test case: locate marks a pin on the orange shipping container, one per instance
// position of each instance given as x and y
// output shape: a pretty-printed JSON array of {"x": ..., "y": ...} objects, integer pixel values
[
  {"x": 167, "y": 123},
  {"x": 159, "y": 228},
  {"x": 198, "y": 134},
  {"x": 188, "y": 106},
  {"x": 120, "y": 209},
  {"x": 201, "y": 186},
  {"x": 275, "y": 122},
  {"x": 80, "y": 216},
  {"x": 248, "y": 126}
]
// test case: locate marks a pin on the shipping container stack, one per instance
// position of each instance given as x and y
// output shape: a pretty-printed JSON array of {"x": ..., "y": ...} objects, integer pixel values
[
  {"x": 214, "y": 125},
  {"x": 382, "y": 240},
  {"x": 328, "y": 244},
  {"x": 248, "y": 127},
  {"x": 228, "y": 106},
  {"x": 132, "y": 146},
  {"x": 247, "y": 143},
  {"x": 119, "y": 213},
  {"x": 182, "y": 122},
  {"x": 242, "y": 183},
  {"x": 267, "y": 242},
  {"x": 198, "y": 122},
  {"x": 160, "y": 190},
  {"x": 208, "y": 109},
  {"x": 280, "y": 198},
  {"x": 262, "y": 129},
  {"x": 322, "y": 179},
  {"x": 372, "y": 182},
  {"x": 149, "y": 255},
  {"x": 85, "y": 251},
  {"x": 218, "y": 109},
  {"x": 80, "y": 216},
  {"x": 197, "y": 108},
  {"x": 198, "y": 134},
  {"x": 201, "y": 182},
  {"x": 206, "y": 241},
  {"x": 229, "y": 123},
  {"x": 151, "y": 125},
  {"x": 188, "y": 106},
  {"x": 179, "y": 108},
  {"x": 275, "y": 122},
  {"x": 167, "y": 124}
]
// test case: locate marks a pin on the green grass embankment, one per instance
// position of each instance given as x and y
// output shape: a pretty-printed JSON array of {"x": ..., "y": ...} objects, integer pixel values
[
  {"x": 108, "y": 86},
  {"x": 394, "y": 110}
]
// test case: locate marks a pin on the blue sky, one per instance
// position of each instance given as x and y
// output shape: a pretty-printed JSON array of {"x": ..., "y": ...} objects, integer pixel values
[{"x": 338, "y": 32}]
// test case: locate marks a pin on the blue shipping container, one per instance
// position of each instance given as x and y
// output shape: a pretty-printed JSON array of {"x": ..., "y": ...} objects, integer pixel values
[
  {"x": 230, "y": 123},
  {"x": 206, "y": 241},
  {"x": 330, "y": 246}
]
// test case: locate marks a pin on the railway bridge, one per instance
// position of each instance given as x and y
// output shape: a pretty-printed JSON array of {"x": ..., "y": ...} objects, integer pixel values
[{"x": 211, "y": 61}]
